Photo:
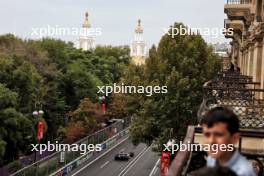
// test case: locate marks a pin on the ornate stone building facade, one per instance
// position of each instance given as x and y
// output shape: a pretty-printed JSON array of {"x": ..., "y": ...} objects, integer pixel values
[{"x": 246, "y": 17}]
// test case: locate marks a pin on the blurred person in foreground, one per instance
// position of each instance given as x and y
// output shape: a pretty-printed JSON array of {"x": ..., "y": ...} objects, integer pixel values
[
  {"x": 214, "y": 171},
  {"x": 221, "y": 128}
]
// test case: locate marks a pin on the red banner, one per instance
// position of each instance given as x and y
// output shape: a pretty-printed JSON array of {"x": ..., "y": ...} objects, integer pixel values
[
  {"x": 104, "y": 108},
  {"x": 41, "y": 127},
  {"x": 164, "y": 163}
]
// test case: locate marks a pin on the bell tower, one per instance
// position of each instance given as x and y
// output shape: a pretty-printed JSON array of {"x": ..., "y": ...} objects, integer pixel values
[
  {"x": 138, "y": 49},
  {"x": 86, "y": 40}
]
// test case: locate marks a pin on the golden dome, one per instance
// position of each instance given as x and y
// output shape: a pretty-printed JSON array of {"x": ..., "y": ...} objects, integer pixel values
[
  {"x": 86, "y": 23},
  {"x": 139, "y": 28}
]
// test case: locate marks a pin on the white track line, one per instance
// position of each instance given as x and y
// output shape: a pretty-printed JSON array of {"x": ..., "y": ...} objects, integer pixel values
[
  {"x": 104, "y": 164},
  {"x": 99, "y": 157},
  {"x": 123, "y": 149},
  {"x": 155, "y": 168},
  {"x": 132, "y": 163},
  {"x": 155, "y": 171}
]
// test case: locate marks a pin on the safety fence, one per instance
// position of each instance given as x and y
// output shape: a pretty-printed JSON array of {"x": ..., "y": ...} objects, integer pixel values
[
  {"x": 60, "y": 159},
  {"x": 83, "y": 158}
]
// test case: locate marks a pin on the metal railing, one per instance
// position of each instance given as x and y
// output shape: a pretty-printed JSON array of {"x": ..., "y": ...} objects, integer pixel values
[
  {"x": 70, "y": 167},
  {"x": 239, "y": 1},
  {"x": 179, "y": 163},
  {"x": 53, "y": 162},
  {"x": 237, "y": 92}
]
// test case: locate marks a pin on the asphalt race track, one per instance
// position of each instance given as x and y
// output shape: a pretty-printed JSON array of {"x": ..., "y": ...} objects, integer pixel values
[{"x": 142, "y": 164}]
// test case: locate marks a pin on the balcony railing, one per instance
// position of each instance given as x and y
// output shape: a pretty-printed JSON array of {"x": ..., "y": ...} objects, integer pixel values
[
  {"x": 239, "y": 1},
  {"x": 238, "y": 92},
  {"x": 179, "y": 164}
]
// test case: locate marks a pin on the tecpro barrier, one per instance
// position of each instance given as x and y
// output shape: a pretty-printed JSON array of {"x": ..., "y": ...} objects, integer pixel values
[
  {"x": 58, "y": 160},
  {"x": 80, "y": 160}
]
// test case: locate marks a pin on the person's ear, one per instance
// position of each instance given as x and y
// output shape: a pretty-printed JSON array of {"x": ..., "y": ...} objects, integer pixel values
[{"x": 235, "y": 138}]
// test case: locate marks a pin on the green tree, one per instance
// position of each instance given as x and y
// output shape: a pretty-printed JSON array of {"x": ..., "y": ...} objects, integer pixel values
[
  {"x": 87, "y": 115},
  {"x": 52, "y": 75},
  {"x": 182, "y": 63},
  {"x": 22, "y": 77},
  {"x": 15, "y": 129},
  {"x": 80, "y": 83}
]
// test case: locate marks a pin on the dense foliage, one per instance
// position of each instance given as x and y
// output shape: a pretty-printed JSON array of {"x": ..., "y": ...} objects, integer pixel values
[
  {"x": 183, "y": 64},
  {"x": 61, "y": 80}
]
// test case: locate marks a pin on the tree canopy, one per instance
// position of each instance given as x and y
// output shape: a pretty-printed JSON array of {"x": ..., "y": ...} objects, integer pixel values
[
  {"x": 53, "y": 76},
  {"x": 182, "y": 63}
]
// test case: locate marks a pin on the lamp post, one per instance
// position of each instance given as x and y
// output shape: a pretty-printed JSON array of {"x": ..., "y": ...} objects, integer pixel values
[
  {"x": 102, "y": 100},
  {"x": 40, "y": 131}
]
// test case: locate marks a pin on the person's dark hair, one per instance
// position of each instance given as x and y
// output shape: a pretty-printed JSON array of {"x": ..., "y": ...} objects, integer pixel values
[
  {"x": 215, "y": 171},
  {"x": 223, "y": 115}
]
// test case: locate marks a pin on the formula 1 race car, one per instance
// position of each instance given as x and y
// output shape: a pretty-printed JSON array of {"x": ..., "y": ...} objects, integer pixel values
[{"x": 122, "y": 156}]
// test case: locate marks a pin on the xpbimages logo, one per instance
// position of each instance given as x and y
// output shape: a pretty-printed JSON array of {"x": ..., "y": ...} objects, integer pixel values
[
  {"x": 214, "y": 148},
  {"x": 206, "y": 31},
  {"x": 51, "y": 31},
  {"x": 148, "y": 90},
  {"x": 83, "y": 148}
]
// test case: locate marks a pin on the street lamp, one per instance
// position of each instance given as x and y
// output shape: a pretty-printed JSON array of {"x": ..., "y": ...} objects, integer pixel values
[
  {"x": 40, "y": 112},
  {"x": 40, "y": 130},
  {"x": 35, "y": 113},
  {"x": 40, "y": 126},
  {"x": 102, "y": 100}
]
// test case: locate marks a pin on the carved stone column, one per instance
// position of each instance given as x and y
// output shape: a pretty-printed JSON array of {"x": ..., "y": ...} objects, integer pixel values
[
  {"x": 257, "y": 61},
  {"x": 245, "y": 62},
  {"x": 250, "y": 60},
  {"x": 262, "y": 71}
]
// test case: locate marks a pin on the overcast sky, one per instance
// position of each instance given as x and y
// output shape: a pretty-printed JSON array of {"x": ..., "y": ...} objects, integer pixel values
[{"x": 116, "y": 18}]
